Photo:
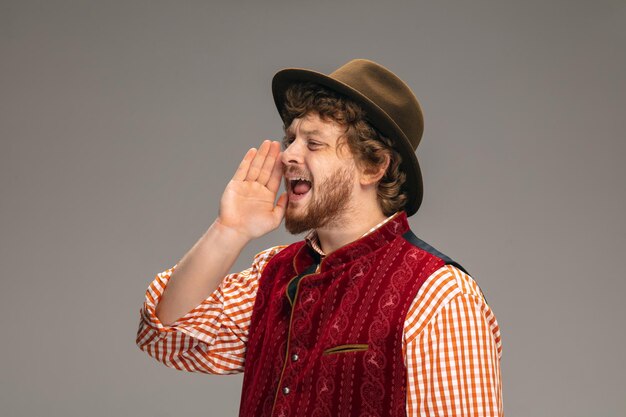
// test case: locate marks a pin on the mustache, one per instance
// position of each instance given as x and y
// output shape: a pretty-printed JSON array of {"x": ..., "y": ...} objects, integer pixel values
[{"x": 294, "y": 171}]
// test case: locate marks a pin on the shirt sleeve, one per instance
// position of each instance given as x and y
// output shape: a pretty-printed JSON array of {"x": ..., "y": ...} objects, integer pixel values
[
  {"x": 453, "y": 351},
  {"x": 212, "y": 337}
]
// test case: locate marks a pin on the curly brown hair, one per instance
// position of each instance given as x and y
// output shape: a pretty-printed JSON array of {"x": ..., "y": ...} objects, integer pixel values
[{"x": 370, "y": 148}]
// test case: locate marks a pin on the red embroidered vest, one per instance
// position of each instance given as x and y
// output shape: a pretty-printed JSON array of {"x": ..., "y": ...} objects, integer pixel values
[{"x": 338, "y": 350}]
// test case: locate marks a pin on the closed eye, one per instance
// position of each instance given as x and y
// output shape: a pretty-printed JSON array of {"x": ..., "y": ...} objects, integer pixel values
[
  {"x": 311, "y": 144},
  {"x": 314, "y": 145}
]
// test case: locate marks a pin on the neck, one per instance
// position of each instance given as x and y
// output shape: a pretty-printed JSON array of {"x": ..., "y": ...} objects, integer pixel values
[{"x": 348, "y": 229}]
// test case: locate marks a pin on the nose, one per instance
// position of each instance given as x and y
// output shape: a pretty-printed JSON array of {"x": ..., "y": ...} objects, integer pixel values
[{"x": 293, "y": 153}]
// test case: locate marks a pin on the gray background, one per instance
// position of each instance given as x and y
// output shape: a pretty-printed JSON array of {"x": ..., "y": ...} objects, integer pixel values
[{"x": 121, "y": 123}]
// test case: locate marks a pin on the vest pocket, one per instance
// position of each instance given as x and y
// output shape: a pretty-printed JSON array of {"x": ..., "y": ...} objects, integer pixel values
[{"x": 345, "y": 348}]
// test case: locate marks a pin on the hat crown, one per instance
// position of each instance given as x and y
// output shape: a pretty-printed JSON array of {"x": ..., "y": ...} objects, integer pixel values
[{"x": 384, "y": 89}]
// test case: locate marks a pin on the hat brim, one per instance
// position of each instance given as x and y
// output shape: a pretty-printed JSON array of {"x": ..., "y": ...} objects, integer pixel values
[{"x": 374, "y": 114}]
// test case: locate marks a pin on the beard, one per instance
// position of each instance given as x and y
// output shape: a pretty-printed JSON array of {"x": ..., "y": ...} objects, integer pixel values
[{"x": 326, "y": 206}]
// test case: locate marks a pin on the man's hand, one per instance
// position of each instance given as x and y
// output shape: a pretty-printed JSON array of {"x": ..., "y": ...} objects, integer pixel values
[
  {"x": 247, "y": 206},
  {"x": 247, "y": 211}
]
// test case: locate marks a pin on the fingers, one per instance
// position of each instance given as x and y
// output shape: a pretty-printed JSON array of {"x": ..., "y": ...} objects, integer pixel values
[
  {"x": 269, "y": 163},
  {"x": 257, "y": 163},
  {"x": 276, "y": 176},
  {"x": 242, "y": 171},
  {"x": 263, "y": 166}
]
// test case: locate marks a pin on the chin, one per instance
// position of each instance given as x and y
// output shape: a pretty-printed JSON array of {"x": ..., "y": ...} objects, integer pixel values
[{"x": 297, "y": 223}]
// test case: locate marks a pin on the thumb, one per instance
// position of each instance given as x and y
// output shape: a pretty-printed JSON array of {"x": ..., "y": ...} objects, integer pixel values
[{"x": 281, "y": 205}]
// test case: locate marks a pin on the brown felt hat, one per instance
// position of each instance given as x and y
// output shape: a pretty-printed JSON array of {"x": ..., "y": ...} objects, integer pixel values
[{"x": 389, "y": 104}]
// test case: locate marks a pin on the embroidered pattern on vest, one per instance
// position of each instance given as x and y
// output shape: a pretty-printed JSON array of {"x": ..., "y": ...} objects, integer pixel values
[{"x": 338, "y": 350}]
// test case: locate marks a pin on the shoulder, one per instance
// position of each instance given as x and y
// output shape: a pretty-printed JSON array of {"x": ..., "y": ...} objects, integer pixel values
[
  {"x": 419, "y": 245},
  {"x": 262, "y": 258},
  {"x": 275, "y": 254},
  {"x": 445, "y": 286}
]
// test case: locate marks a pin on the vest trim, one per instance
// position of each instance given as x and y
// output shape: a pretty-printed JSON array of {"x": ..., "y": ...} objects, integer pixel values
[
  {"x": 293, "y": 283},
  {"x": 413, "y": 239},
  {"x": 346, "y": 348},
  {"x": 295, "y": 297},
  {"x": 416, "y": 241}
]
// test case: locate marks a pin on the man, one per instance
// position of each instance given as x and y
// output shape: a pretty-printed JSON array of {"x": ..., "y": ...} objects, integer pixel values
[{"x": 359, "y": 318}]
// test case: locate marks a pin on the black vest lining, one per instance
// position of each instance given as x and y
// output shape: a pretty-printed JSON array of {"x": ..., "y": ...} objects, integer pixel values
[
  {"x": 416, "y": 241},
  {"x": 293, "y": 284}
]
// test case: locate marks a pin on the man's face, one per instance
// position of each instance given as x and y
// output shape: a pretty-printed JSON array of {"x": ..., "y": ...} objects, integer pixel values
[{"x": 319, "y": 179}]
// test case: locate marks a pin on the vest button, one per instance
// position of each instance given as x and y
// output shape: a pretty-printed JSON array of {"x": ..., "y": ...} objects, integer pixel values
[
  {"x": 294, "y": 357},
  {"x": 286, "y": 390}
]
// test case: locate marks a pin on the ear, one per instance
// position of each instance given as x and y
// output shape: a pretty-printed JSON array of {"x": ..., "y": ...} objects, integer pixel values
[{"x": 373, "y": 175}]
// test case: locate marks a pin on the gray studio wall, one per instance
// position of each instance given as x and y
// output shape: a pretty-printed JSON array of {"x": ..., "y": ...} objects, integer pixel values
[{"x": 121, "y": 122}]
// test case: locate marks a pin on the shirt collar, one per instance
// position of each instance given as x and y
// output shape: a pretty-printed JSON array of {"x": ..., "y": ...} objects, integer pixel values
[{"x": 312, "y": 239}]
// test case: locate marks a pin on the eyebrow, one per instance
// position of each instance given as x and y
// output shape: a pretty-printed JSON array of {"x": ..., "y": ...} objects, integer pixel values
[{"x": 313, "y": 132}]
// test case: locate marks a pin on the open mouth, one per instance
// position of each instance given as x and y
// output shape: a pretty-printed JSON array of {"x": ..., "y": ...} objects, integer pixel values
[{"x": 298, "y": 188}]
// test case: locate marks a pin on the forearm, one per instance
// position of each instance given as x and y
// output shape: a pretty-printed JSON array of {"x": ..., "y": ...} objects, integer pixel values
[{"x": 200, "y": 272}]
